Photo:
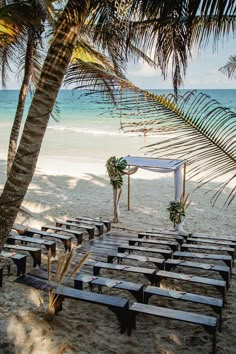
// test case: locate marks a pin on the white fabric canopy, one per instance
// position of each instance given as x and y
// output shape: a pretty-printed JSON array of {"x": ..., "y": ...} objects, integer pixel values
[{"x": 161, "y": 166}]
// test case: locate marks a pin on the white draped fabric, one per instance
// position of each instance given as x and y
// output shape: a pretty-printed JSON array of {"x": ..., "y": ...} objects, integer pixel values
[{"x": 162, "y": 166}]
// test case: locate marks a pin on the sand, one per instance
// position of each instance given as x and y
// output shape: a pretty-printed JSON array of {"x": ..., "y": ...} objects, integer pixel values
[{"x": 68, "y": 188}]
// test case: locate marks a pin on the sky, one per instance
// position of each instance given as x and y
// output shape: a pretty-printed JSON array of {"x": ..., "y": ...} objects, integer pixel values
[{"x": 202, "y": 72}]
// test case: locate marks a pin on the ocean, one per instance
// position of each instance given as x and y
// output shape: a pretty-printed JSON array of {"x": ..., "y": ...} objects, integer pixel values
[{"x": 86, "y": 128}]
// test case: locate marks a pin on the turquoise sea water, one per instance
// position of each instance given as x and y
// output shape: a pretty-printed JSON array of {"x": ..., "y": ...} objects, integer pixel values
[{"x": 85, "y": 126}]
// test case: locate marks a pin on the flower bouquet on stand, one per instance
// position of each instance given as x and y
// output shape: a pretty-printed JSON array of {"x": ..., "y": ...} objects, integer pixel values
[{"x": 177, "y": 210}]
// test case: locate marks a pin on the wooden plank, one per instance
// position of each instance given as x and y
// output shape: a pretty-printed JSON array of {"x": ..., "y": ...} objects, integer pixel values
[
  {"x": 77, "y": 234},
  {"x": 214, "y": 237},
  {"x": 90, "y": 229},
  {"x": 25, "y": 239},
  {"x": 18, "y": 259},
  {"x": 208, "y": 322},
  {"x": 229, "y": 250},
  {"x": 215, "y": 303},
  {"x": 136, "y": 289},
  {"x": 224, "y": 271},
  {"x": 208, "y": 256},
  {"x": 99, "y": 225},
  {"x": 107, "y": 223},
  {"x": 159, "y": 262},
  {"x": 148, "y": 235},
  {"x": 34, "y": 252},
  {"x": 149, "y": 273},
  {"x": 66, "y": 240},
  {"x": 165, "y": 253},
  {"x": 171, "y": 244},
  {"x": 220, "y": 285},
  {"x": 211, "y": 241}
]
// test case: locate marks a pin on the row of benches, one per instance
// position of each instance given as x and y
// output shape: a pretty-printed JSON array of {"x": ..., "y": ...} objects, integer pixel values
[{"x": 126, "y": 311}]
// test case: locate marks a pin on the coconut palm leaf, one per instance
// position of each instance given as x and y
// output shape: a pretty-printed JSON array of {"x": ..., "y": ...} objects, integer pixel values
[
  {"x": 229, "y": 68},
  {"x": 203, "y": 132}
]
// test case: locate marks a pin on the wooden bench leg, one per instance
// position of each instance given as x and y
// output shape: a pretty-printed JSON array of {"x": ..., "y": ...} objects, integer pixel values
[
  {"x": 122, "y": 317},
  {"x": 21, "y": 265},
  {"x": 36, "y": 255},
  {"x": 131, "y": 323},
  {"x": 67, "y": 244},
  {"x": 96, "y": 270},
  {"x": 91, "y": 234}
]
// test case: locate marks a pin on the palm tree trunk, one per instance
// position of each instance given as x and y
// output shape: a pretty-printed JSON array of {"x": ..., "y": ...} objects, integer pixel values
[
  {"x": 21, "y": 101},
  {"x": 56, "y": 63}
]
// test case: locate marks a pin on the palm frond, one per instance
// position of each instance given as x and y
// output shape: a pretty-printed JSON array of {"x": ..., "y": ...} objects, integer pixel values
[
  {"x": 200, "y": 130},
  {"x": 229, "y": 68}
]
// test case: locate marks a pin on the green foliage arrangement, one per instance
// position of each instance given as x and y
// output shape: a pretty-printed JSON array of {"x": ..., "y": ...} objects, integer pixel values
[
  {"x": 177, "y": 210},
  {"x": 115, "y": 168}
]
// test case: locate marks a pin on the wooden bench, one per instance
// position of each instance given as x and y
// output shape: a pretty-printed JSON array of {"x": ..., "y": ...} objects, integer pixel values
[
  {"x": 229, "y": 250},
  {"x": 1, "y": 276},
  {"x": 149, "y": 273},
  {"x": 107, "y": 223},
  {"x": 224, "y": 271},
  {"x": 209, "y": 323},
  {"x": 173, "y": 245},
  {"x": 77, "y": 234},
  {"x": 215, "y": 242},
  {"x": 165, "y": 253},
  {"x": 220, "y": 285},
  {"x": 179, "y": 239},
  {"x": 159, "y": 262},
  {"x": 135, "y": 289},
  {"x": 213, "y": 237},
  {"x": 215, "y": 303},
  {"x": 34, "y": 252},
  {"x": 208, "y": 256},
  {"x": 18, "y": 259},
  {"x": 117, "y": 305},
  {"x": 99, "y": 225},
  {"x": 25, "y": 239},
  {"x": 66, "y": 240},
  {"x": 90, "y": 229}
]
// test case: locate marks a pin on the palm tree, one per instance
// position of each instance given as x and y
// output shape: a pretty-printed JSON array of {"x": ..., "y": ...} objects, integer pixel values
[
  {"x": 58, "y": 58},
  {"x": 30, "y": 28}
]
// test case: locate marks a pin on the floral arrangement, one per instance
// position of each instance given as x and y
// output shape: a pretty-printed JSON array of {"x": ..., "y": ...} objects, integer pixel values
[
  {"x": 177, "y": 210},
  {"x": 115, "y": 168}
]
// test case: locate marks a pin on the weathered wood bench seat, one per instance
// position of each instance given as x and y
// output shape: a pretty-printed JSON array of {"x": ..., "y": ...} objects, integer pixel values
[
  {"x": 165, "y": 253},
  {"x": 89, "y": 228},
  {"x": 135, "y": 289},
  {"x": 211, "y": 241},
  {"x": 117, "y": 305},
  {"x": 215, "y": 303},
  {"x": 18, "y": 259},
  {"x": 99, "y": 225},
  {"x": 220, "y": 285},
  {"x": 208, "y": 256},
  {"x": 171, "y": 244},
  {"x": 149, "y": 273},
  {"x": 224, "y": 271},
  {"x": 229, "y": 250},
  {"x": 66, "y": 240},
  {"x": 214, "y": 237},
  {"x": 159, "y": 262},
  {"x": 107, "y": 223},
  {"x": 77, "y": 234},
  {"x": 148, "y": 235},
  {"x": 26, "y": 239},
  {"x": 207, "y": 322},
  {"x": 33, "y": 251}
]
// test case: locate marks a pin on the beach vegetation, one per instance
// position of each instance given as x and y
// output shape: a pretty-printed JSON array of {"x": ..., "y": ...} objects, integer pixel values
[
  {"x": 177, "y": 210},
  {"x": 123, "y": 30},
  {"x": 116, "y": 169},
  {"x": 229, "y": 68},
  {"x": 58, "y": 278}
]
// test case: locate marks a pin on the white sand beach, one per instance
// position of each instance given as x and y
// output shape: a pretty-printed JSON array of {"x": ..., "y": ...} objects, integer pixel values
[{"x": 69, "y": 186}]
